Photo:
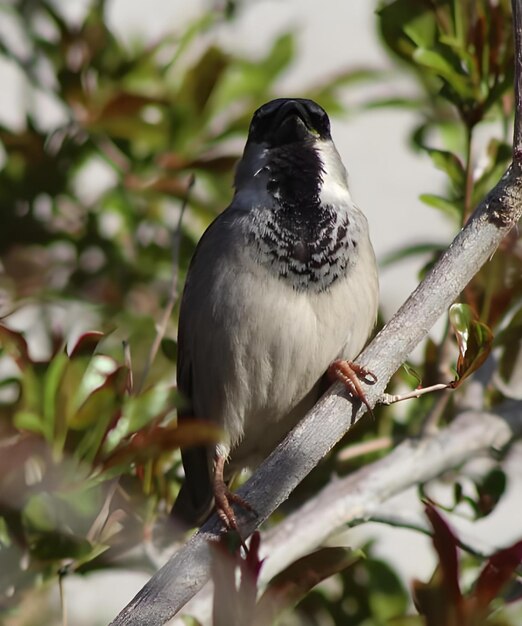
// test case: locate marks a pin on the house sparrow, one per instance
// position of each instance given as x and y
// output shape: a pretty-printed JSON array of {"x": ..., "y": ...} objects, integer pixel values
[{"x": 282, "y": 288}]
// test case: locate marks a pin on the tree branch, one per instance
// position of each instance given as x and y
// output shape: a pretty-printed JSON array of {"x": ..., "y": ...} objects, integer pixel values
[
  {"x": 187, "y": 571},
  {"x": 360, "y": 496}
]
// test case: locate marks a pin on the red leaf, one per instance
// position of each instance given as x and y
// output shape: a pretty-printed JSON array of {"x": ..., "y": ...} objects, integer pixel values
[
  {"x": 251, "y": 565},
  {"x": 150, "y": 442},
  {"x": 445, "y": 544},
  {"x": 86, "y": 344},
  {"x": 496, "y": 573}
]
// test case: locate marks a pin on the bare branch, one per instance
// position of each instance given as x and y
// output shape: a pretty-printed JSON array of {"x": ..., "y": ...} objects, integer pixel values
[{"x": 359, "y": 495}]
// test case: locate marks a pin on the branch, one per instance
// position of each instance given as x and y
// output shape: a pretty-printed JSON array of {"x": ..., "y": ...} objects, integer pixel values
[
  {"x": 188, "y": 570},
  {"x": 361, "y": 496}
]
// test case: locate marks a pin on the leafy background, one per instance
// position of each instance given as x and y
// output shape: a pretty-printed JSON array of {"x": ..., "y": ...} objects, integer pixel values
[{"x": 89, "y": 460}]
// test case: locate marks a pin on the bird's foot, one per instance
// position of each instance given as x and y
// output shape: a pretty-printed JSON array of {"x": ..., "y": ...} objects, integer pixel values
[
  {"x": 224, "y": 498},
  {"x": 350, "y": 374}
]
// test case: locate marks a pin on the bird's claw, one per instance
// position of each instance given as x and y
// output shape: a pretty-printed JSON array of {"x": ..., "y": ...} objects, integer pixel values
[
  {"x": 224, "y": 498},
  {"x": 350, "y": 374}
]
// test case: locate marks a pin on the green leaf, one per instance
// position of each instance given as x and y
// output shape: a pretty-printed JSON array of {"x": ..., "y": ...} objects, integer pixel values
[
  {"x": 14, "y": 344},
  {"x": 27, "y": 420},
  {"x": 490, "y": 490},
  {"x": 449, "y": 163},
  {"x": 450, "y": 208},
  {"x": 55, "y": 546},
  {"x": 169, "y": 347},
  {"x": 203, "y": 78},
  {"x": 415, "y": 250},
  {"x": 55, "y": 421},
  {"x": 139, "y": 411},
  {"x": 422, "y": 29},
  {"x": 474, "y": 340},
  {"x": 412, "y": 373},
  {"x": 395, "y": 18},
  {"x": 441, "y": 66}
]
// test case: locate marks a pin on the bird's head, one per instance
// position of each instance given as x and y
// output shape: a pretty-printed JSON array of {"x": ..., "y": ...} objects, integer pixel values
[
  {"x": 289, "y": 120},
  {"x": 290, "y": 151}
]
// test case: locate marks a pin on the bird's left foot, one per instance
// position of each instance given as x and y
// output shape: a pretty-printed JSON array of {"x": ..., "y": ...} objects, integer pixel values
[
  {"x": 224, "y": 498},
  {"x": 350, "y": 374}
]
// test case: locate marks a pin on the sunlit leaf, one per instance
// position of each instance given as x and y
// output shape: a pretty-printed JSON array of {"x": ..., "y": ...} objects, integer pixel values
[
  {"x": 474, "y": 340},
  {"x": 138, "y": 411},
  {"x": 102, "y": 402}
]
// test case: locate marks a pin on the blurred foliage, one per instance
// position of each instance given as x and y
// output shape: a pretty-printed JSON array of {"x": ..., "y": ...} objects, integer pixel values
[
  {"x": 89, "y": 459},
  {"x": 441, "y": 601}
]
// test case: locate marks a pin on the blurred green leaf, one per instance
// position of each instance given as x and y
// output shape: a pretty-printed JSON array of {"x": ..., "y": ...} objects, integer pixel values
[
  {"x": 411, "y": 251},
  {"x": 54, "y": 546},
  {"x": 450, "y": 208},
  {"x": 450, "y": 164},
  {"x": 170, "y": 349},
  {"x": 443, "y": 67},
  {"x": 14, "y": 344}
]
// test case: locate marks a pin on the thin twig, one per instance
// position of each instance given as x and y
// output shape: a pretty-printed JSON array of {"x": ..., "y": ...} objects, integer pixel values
[
  {"x": 365, "y": 447},
  {"x": 173, "y": 292},
  {"x": 387, "y": 398}
]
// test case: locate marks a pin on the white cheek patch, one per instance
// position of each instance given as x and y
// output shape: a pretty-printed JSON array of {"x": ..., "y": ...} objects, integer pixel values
[{"x": 334, "y": 189}]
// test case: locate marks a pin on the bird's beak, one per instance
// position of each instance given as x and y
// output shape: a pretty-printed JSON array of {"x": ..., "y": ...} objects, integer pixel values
[{"x": 292, "y": 123}]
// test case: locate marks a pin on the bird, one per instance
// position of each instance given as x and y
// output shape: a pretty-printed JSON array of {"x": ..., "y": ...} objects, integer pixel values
[{"x": 282, "y": 290}]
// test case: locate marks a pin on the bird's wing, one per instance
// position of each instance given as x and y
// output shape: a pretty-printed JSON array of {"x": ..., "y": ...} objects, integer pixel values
[{"x": 195, "y": 499}]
